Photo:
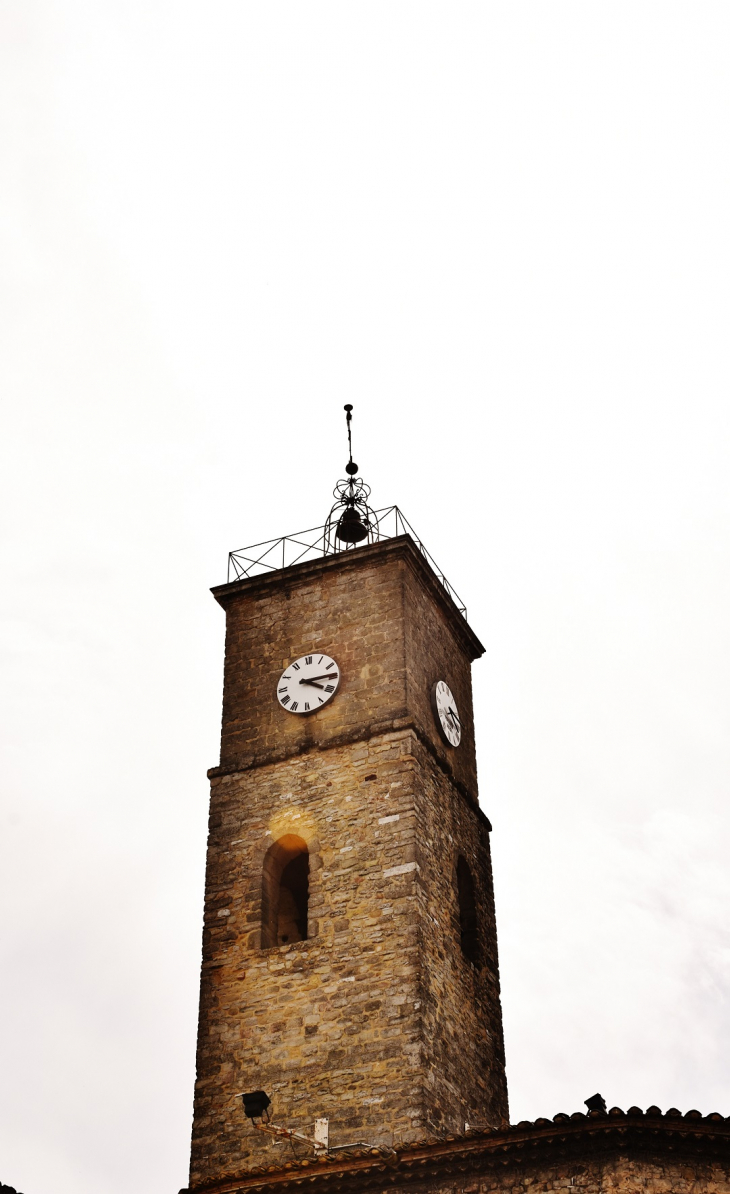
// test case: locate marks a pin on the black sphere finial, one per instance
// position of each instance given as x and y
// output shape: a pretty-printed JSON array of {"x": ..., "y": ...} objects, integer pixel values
[{"x": 350, "y": 467}]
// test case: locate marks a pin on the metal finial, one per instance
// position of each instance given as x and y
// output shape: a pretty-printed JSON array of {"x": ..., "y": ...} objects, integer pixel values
[
  {"x": 350, "y": 467},
  {"x": 351, "y": 520}
]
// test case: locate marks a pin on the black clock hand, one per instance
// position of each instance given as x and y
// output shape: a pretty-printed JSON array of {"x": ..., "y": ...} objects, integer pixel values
[
  {"x": 451, "y": 711},
  {"x": 314, "y": 684},
  {"x": 313, "y": 679}
]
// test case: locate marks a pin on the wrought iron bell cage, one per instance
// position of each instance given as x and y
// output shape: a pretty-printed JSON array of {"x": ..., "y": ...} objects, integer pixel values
[{"x": 351, "y": 521}]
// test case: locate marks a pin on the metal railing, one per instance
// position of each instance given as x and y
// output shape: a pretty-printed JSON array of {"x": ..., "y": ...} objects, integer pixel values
[{"x": 272, "y": 555}]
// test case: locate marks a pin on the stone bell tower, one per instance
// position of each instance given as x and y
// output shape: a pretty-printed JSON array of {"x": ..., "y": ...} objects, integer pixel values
[{"x": 349, "y": 950}]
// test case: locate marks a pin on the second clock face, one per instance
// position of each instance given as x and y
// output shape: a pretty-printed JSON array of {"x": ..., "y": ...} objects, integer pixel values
[
  {"x": 446, "y": 713},
  {"x": 308, "y": 683}
]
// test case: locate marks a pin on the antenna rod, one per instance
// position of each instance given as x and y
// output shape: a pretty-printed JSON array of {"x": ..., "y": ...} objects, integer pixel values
[{"x": 350, "y": 467}]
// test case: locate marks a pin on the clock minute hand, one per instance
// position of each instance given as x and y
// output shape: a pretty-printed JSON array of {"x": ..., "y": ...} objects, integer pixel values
[
  {"x": 456, "y": 719},
  {"x": 313, "y": 679}
]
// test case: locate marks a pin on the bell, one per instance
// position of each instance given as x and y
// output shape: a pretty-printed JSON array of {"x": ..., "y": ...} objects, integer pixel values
[{"x": 350, "y": 528}]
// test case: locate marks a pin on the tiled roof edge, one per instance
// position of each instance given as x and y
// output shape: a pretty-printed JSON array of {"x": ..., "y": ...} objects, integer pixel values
[{"x": 538, "y": 1140}]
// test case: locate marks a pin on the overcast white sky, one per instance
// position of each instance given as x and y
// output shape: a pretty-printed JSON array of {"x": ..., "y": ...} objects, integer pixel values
[{"x": 501, "y": 231}]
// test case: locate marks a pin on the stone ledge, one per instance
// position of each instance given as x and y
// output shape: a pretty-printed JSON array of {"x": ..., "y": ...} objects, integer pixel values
[{"x": 382, "y": 730}]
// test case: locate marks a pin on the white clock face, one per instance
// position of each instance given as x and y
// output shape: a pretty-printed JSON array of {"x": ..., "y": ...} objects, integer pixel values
[
  {"x": 446, "y": 713},
  {"x": 308, "y": 683}
]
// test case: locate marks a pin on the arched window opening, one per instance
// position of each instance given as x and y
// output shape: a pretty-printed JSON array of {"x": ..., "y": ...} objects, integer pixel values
[
  {"x": 294, "y": 900},
  {"x": 285, "y": 893},
  {"x": 467, "y": 911}
]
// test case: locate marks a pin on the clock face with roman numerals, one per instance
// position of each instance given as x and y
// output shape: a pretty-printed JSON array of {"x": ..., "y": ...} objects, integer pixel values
[
  {"x": 446, "y": 713},
  {"x": 308, "y": 683}
]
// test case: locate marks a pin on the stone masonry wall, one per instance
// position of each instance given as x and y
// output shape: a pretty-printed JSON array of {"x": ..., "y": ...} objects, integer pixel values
[
  {"x": 354, "y": 616},
  {"x": 461, "y": 1009},
  {"x": 390, "y": 633},
  {"x": 433, "y": 653},
  {"x": 327, "y": 1026},
  {"x": 377, "y": 1020},
  {"x": 608, "y": 1174}
]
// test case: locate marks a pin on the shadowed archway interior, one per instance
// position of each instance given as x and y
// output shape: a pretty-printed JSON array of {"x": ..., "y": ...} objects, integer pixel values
[{"x": 285, "y": 892}]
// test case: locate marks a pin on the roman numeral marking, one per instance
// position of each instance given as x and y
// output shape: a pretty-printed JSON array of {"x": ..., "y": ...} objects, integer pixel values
[
  {"x": 308, "y": 659},
  {"x": 284, "y": 689},
  {"x": 320, "y": 660},
  {"x": 320, "y": 700},
  {"x": 294, "y": 705},
  {"x": 295, "y": 666},
  {"x": 329, "y": 688},
  {"x": 306, "y": 706},
  {"x": 285, "y": 700}
]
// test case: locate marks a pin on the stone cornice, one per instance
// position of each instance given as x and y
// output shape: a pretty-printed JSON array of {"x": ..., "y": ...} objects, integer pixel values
[
  {"x": 364, "y": 734},
  {"x": 400, "y": 547}
]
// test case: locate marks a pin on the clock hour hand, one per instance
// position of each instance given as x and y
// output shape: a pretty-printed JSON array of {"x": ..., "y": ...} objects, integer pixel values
[
  {"x": 313, "y": 682},
  {"x": 452, "y": 714}
]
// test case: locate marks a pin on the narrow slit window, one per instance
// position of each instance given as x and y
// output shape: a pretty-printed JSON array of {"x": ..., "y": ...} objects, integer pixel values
[
  {"x": 467, "y": 911},
  {"x": 285, "y": 894}
]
